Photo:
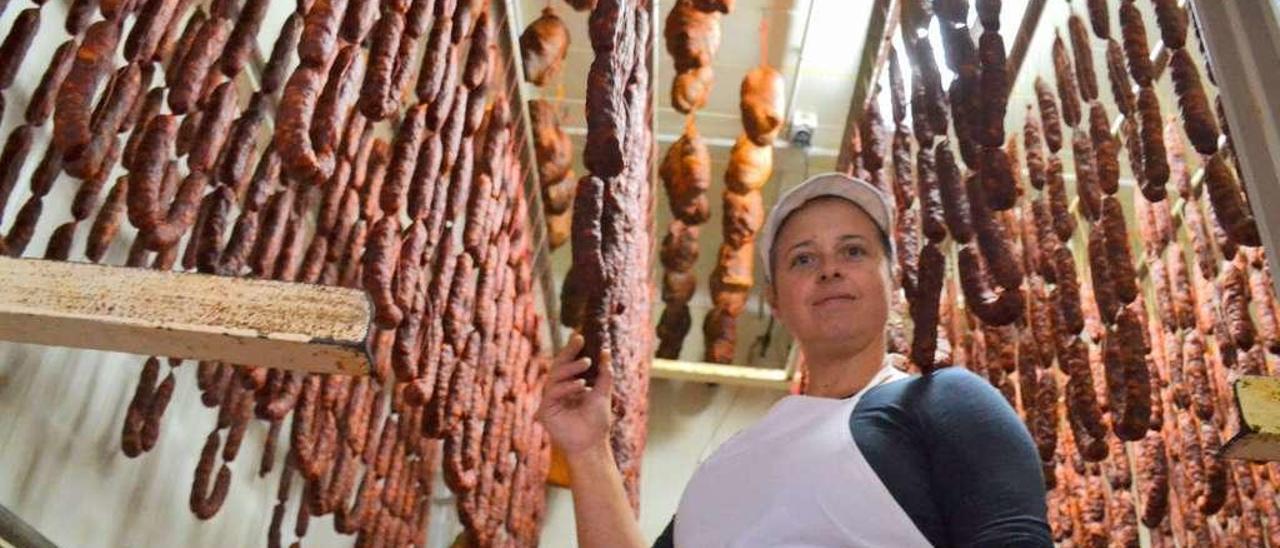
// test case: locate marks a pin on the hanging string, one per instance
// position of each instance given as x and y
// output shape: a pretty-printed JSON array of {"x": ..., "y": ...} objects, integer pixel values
[
  {"x": 764, "y": 37},
  {"x": 560, "y": 95}
]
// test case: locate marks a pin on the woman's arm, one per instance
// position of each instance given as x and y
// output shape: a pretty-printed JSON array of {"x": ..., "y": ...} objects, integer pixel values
[
  {"x": 985, "y": 469},
  {"x": 956, "y": 458},
  {"x": 600, "y": 508},
  {"x": 577, "y": 417}
]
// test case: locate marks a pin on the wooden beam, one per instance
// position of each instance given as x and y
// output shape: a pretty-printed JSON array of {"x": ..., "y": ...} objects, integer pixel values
[
  {"x": 1022, "y": 40},
  {"x": 1258, "y": 400},
  {"x": 883, "y": 20},
  {"x": 1242, "y": 40},
  {"x": 15, "y": 532},
  {"x": 736, "y": 375},
  {"x": 312, "y": 328}
]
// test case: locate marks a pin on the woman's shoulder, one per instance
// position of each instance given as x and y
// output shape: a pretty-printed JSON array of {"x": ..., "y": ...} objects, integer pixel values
[
  {"x": 941, "y": 396},
  {"x": 944, "y": 383}
]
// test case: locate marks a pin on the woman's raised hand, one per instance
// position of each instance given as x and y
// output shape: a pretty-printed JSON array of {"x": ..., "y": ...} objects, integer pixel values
[{"x": 577, "y": 416}]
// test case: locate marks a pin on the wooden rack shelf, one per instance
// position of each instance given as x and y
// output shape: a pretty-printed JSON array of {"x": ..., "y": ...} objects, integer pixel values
[{"x": 296, "y": 326}]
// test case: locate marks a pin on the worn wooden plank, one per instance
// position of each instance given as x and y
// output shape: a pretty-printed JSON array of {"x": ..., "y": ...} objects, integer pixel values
[
  {"x": 267, "y": 323},
  {"x": 1258, "y": 399},
  {"x": 1022, "y": 40}
]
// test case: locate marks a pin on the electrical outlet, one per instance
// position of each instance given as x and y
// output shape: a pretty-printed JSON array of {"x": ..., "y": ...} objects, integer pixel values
[{"x": 803, "y": 125}]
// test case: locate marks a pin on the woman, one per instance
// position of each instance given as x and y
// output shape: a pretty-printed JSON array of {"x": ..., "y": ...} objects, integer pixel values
[{"x": 869, "y": 457}]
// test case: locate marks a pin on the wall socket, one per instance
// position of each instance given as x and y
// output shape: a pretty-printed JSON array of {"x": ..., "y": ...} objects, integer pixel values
[{"x": 803, "y": 125}]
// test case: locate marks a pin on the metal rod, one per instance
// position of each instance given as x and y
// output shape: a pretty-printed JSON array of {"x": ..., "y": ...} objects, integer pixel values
[
  {"x": 795, "y": 74},
  {"x": 507, "y": 11}
]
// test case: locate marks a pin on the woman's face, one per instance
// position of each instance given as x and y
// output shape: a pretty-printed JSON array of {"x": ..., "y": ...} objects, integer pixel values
[{"x": 831, "y": 281}]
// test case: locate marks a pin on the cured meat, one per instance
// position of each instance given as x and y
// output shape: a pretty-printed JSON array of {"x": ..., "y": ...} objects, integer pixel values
[
  {"x": 1000, "y": 184},
  {"x": 871, "y": 134},
  {"x": 71, "y": 118},
  {"x": 994, "y": 88},
  {"x": 1106, "y": 149},
  {"x": 679, "y": 250},
  {"x": 955, "y": 199},
  {"x": 750, "y": 165},
  {"x": 1064, "y": 223},
  {"x": 380, "y": 260},
  {"x": 1083, "y": 53},
  {"x": 1069, "y": 318},
  {"x": 1034, "y": 145},
  {"x": 543, "y": 46},
  {"x": 673, "y": 326},
  {"x": 1119, "y": 257},
  {"x": 686, "y": 176},
  {"x": 1228, "y": 204},
  {"x": 292, "y": 135},
  {"x": 1127, "y": 378},
  {"x": 1099, "y": 20},
  {"x": 551, "y": 144},
  {"x": 338, "y": 98},
  {"x": 1083, "y": 412},
  {"x": 16, "y": 43},
  {"x": 188, "y": 87},
  {"x": 762, "y": 104},
  {"x": 1134, "y": 36},
  {"x": 612, "y": 32},
  {"x": 743, "y": 217},
  {"x": 1049, "y": 115},
  {"x": 1101, "y": 277},
  {"x": 243, "y": 37},
  {"x": 1197, "y": 116},
  {"x": 994, "y": 306},
  {"x": 1121, "y": 86},
  {"x": 720, "y": 331},
  {"x": 319, "y": 37},
  {"x": 924, "y": 308},
  {"x": 691, "y": 88},
  {"x": 1087, "y": 186},
  {"x": 1153, "y": 479},
  {"x": 930, "y": 195},
  {"x": 1068, "y": 91},
  {"x": 1233, "y": 293},
  {"x": 1172, "y": 20},
  {"x": 691, "y": 35},
  {"x": 994, "y": 242}
]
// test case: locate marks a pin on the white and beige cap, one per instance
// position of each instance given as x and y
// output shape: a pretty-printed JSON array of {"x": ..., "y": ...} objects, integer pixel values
[{"x": 860, "y": 192}]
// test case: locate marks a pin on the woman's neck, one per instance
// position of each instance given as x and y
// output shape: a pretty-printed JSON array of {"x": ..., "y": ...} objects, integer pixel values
[{"x": 841, "y": 373}]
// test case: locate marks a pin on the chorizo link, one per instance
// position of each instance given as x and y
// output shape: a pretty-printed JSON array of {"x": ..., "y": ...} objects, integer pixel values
[
  {"x": 16, "y": 43},
  {"x": 71, "y": 117}
]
